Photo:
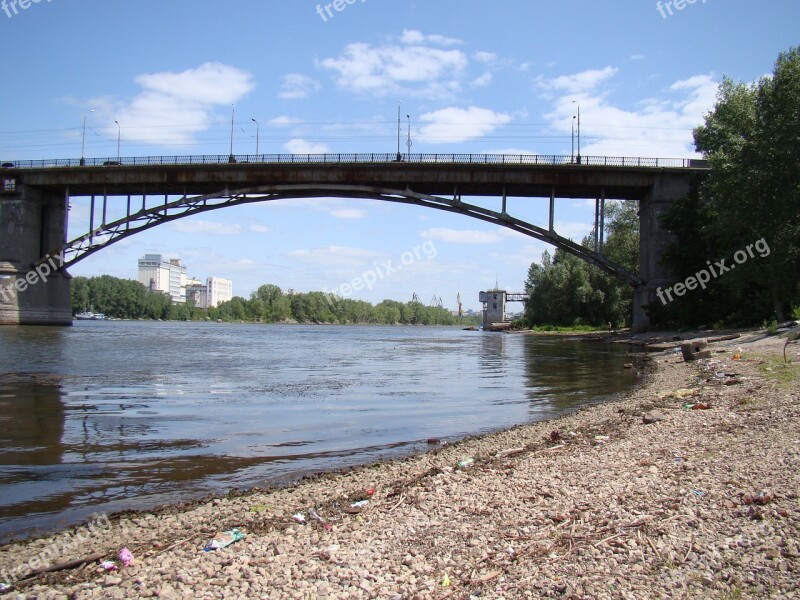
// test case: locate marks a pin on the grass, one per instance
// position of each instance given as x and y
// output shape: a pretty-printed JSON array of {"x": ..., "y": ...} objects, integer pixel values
[{"x": 774, "y": 368}]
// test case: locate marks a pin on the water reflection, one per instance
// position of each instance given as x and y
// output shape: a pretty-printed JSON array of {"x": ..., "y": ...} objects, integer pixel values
[{"x": 564, "y": 375}]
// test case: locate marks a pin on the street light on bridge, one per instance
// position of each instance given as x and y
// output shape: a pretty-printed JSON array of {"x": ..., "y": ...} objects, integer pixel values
[
  {"x": 83, "y": 142},
  {"x": 119, "y": 138},
  {"x": 257, "y": 135},
  {"x": 231, "y": 158},
  {"x": 409, "y": 143},
  {"x": 579, "y": 130},
  {"x": 572, "y": 156}
]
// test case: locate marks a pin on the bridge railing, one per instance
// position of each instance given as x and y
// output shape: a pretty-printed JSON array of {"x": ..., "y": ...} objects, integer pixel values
[{"x": 365, "y": 158}]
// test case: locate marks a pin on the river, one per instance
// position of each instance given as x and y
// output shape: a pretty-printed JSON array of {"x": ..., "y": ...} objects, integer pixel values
[{"x": 110, "y": 416}]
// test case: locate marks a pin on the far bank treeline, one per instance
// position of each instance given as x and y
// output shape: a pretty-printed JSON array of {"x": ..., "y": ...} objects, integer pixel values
[
  {"x": 751, "y": 139},
  {"x": 127, "y": 299}
]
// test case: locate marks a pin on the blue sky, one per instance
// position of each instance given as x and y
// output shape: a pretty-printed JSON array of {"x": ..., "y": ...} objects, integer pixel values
[{"x": 474, "y": 76}]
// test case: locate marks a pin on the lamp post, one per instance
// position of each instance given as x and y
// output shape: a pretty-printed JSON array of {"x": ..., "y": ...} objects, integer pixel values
[
  {"x": 231, "y": 158},
  {"x": 399, "y": 156},
  {"x": 409, "y": 142},
  {"x": 579, "y": 131},
  {"x": 257, "y": 135},
  {"x": 119, "y": 138},
  {"x": 572, "y": 157},
  {"x": 83, "y": 140}
]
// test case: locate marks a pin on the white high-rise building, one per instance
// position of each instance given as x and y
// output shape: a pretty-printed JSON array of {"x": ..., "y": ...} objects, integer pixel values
[
  {"x": 161, "y": 275},
  {"x": 218, "y": 290}
]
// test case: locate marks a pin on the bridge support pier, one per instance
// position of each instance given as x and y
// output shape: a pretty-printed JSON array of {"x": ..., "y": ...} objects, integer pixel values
[
  {"x": 32, "y": 227},
  {"x": 653, "y": 243}
]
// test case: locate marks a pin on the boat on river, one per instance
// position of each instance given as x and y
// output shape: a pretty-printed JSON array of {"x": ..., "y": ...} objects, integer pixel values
[{"x": 90, "y": 316}]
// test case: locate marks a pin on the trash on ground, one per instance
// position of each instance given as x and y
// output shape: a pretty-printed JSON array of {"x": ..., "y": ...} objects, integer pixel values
[
  {"x": 125, "y": 557},
  {"x": 467, "y": 462},
  {"x": 360, "y": 504},
  {"x": 223, "y": 540},
  {"x": 601, "y": 438},
  {"x": 510, "y": 452},
  {"x": 4, "y": 587},
  {"x": 761, "y": 499},
  {"x": 737, "y": 356},
  {"x": 701, "y": 406},
  {"x": 108, "y": 565},
  {"x": 699, "y": 493},
  {"x": 446, "y": 581},
  {"x": 299, "y": 518},
  {"x": 370, "y": 492}
]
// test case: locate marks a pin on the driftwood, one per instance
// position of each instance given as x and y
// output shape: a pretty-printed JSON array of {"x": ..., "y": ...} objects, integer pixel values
[{"x": 73, "y": 564}]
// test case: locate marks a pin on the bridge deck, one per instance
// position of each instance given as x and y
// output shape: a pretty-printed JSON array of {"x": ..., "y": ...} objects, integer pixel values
[{"x": 435, "y": 174}]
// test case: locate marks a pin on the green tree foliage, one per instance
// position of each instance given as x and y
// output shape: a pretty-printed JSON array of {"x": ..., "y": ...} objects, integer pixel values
[
  {"x": 125, "y": 299},
  {"x": 752, "y": 142},
  {"x": 121, "y": 299},
  {"x": 565, "y": 290}
]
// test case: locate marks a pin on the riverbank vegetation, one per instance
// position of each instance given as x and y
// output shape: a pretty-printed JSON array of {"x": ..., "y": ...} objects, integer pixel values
[
  {"x": 752, "y": 142},
  {"x": 127, "y": 299},
  {"x": 564, "y": 291}
]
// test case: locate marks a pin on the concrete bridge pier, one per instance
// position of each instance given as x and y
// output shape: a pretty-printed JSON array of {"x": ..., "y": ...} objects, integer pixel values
[
  {"x": 33, "y": 224},
  {"x": 653, "y": 243}
]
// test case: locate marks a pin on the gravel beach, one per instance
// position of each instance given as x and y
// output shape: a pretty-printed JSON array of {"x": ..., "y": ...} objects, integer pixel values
[{"x": 685, "y": 488}]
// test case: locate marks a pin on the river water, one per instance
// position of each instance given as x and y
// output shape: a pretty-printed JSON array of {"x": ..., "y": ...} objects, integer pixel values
[{"x": 110, "y": 416}]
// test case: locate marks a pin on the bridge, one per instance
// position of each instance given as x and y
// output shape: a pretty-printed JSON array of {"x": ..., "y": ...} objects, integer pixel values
[{"x": 35, "y": 253}]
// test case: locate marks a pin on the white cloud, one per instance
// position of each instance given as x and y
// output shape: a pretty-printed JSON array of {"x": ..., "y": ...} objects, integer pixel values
[
  {"x": 638, "y": 57},
  {"x": 348, "y": 213},
  {"x": 462, "y": 236},
  {"x": 296, "y": 86},
  {"x": 339, "y": 208},
  {"x": 194, "y": 226},
  {"x": 483, "y": 80},
  {"x": 574, "y": 231},
  {"x": 335, "y": 256},
  {"x": 206, "y": 227},
  {"x": 459, "y": 124},
  {"x": 484, "y": 57},
  {"x": 298, "y": 146},
  {"x": 413, "y": 36},
  {"x": 408, "y": 68},
  {"x": 579, "y": 82},
  {"x": 173, "y": 108},
  {"x": 285, "y": 120}
]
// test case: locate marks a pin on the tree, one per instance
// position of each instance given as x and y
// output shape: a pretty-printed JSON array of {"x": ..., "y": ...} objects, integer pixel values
[
  {"x": 752, "y": 142},
  {"x": 565, "y": 290}
]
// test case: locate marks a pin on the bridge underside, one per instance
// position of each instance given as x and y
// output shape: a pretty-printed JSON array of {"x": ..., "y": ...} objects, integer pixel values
[
  {"x": 34, "y": 201},
  {"x": 148, "y": 217}
]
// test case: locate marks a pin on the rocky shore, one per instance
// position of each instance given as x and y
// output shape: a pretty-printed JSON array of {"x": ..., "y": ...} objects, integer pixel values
[{"x": 688, "y": 487}]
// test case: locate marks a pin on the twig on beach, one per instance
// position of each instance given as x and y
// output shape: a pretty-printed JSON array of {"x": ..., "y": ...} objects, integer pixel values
[
  {"x": 402, "y": 499},
  {"x": 653, "y": 546},
  {"x": 175, "y": 545},
  {"x": 608, "y": 539},
  {"x": 73, "y": 564}
]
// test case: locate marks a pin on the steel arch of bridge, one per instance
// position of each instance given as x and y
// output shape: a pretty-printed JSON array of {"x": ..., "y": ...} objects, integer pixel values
[{"x": 149, "y": 217}]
